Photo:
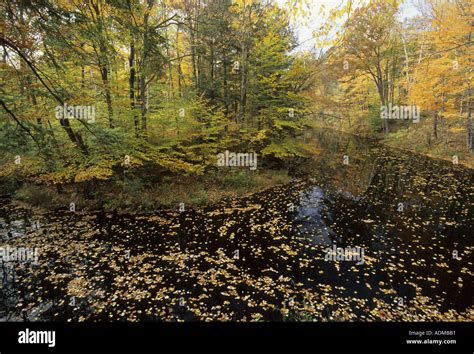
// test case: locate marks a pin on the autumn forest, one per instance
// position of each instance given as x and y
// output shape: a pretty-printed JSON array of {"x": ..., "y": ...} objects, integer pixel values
[{"x": 236, "y": 160}]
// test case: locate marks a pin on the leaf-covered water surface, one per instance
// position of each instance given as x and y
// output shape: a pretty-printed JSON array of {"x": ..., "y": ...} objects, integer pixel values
[{"x": 262, "y": 258}]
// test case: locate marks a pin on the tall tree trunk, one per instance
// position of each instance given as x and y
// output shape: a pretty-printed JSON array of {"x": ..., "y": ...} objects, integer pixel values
[
  {"x": 225, "y": 87},
  {"x": 198, "y": 47},
  {"x": 193, "y": 27},
  {"x": 243, "y": 82},
  {"x": 470, "y": 137},
  {"x": 170, "y": 71},
  {"x": 104, "y": 64},
  {"x": 213, "y": 93},
  {"x": 381, "y": 84},
  {"x": 143, "y": 101},
  {"x": 108, "y": 96},
  {"x": 144, "y": 67},
  {"x": 383, "y": 101},
  {"x": 131, "y": 81},
  {"x": 180, "y": 72},
  {"x": 83, "y": 72},
  {"x": 193, "y": 58}
]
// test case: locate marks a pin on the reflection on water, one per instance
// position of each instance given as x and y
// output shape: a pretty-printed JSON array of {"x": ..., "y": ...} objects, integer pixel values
[
  {"x": 263, "y": 257},
  {"x": 312, "y": 208}
]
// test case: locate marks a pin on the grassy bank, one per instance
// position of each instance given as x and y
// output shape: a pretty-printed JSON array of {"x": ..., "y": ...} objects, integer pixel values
[{"x": 138, "y": 195}]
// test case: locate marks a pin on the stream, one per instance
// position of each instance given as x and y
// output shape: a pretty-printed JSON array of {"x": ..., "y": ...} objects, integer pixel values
[{"x": 263, "y": 257}]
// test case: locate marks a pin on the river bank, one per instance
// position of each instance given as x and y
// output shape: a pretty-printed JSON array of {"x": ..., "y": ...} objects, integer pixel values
[
  {"x": 137, "y": 195},
  {"x": 134, "y": 193},
  {"x": 411, "y": 142}
]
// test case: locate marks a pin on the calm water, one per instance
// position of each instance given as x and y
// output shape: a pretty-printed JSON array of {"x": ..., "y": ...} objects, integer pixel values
[{"x": 263, "y": 257}]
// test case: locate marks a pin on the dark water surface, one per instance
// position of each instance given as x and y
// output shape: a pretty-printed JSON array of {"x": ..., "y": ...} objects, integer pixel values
[{"x": 263, "y": 257}]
